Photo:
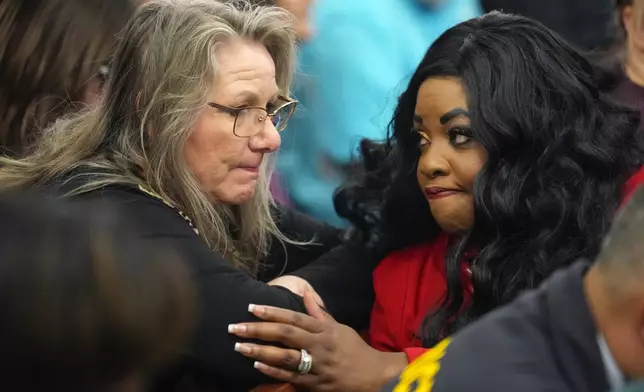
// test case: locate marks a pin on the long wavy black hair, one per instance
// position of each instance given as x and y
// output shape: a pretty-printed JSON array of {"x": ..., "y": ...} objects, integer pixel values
[{"x": 560, "y": 150}]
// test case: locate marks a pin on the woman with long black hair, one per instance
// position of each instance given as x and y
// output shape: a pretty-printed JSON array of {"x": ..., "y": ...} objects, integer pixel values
[{"x": 507, "y": 160}]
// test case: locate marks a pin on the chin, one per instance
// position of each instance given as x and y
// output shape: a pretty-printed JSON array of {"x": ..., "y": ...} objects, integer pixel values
[
  {"x": 455, "y": 226},
  {"x": 236, "y": 198}
]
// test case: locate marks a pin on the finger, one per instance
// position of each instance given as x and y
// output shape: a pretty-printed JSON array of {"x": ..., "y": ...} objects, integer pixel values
[
  {"x": 274, "y": 356},
  {"x": 307, "y": 380},
  {"x": 287, "y": 334},
  {"x": 285, "y": 316},
  {"x": 314, "y": 308}
]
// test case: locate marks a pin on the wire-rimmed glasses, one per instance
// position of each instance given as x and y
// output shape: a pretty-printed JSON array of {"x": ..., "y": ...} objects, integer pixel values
[{"x": 249, "y": 120}]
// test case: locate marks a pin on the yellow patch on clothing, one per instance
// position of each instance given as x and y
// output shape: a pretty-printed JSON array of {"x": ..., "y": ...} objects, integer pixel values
[{"x": 422, "y": 371}]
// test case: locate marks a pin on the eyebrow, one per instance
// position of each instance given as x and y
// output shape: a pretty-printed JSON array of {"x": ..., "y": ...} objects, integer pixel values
[
  {"x": 253, "y": 98},
  {"x": 447, "y": 117}
]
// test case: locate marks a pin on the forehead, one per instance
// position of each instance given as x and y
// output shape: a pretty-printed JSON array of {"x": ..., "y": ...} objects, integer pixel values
[
  {"x": 438, "y": 96},
  {"x": 244, "y": 65}
]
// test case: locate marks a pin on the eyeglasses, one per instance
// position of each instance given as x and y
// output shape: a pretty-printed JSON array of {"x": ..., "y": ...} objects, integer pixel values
[{"x": 249, "y": 120}]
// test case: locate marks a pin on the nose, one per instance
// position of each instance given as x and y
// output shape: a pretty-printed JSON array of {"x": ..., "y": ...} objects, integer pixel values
[
  {"x": 267, "y": 140},
  {"x": 432, "y": 163}
]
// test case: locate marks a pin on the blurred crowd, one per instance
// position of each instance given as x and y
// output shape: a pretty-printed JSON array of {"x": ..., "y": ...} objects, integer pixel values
[{"x": 326, "y": 195}]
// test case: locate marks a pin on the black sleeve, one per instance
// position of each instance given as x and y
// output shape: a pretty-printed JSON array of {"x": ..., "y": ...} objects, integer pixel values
[
  {"x": 285, "y": 258},
  {"x": 340, "y": 271},
  {"x": 224, "y": 291},
  {"x": 343, "y": 278}
]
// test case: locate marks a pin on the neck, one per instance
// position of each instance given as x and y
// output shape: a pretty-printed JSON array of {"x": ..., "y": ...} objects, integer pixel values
[{"x": 599, "y": 297}]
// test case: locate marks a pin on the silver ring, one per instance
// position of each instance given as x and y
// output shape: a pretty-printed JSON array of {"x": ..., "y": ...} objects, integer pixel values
[{"x": 306, "y": 362}]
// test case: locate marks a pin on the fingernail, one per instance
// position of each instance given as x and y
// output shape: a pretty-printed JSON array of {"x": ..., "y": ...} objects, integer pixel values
[
  {"x": 242, "y": 348},
  {"x": 232, "y": 328},
  {"x": 256, "y": 309},
  {"x": 257, "y": 365}
]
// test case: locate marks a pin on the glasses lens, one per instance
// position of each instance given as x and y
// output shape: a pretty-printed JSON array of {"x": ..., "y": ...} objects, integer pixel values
[
  {"x": 282, "y": 116},
  {"x": 249, "y": 122}
]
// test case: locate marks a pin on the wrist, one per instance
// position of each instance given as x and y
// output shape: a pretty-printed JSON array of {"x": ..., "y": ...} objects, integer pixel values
[{"x": 392, "y": 364}]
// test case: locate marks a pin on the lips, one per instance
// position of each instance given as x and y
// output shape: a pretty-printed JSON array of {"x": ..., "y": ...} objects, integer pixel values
[
  {"x": 433, "y": 192},
  {"x": 253, "y": 169}
]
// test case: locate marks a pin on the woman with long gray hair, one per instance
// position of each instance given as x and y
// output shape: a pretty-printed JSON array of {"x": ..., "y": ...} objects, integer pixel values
[{"x": 182, "y": 141}]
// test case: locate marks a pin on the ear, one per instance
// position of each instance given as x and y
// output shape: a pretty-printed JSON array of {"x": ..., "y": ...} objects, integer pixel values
[
  {"x": 626, "y": 17},
  {"x": 633, "y": 26}
]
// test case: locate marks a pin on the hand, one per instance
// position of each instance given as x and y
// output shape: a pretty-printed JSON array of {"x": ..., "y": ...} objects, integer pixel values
[
  {"x": 342, "y": 360},
  {"x": 297, "y": 285}
]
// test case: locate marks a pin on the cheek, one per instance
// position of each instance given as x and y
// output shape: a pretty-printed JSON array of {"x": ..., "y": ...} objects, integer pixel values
[
  {"x": 469, "y": 165},
  {"x": 211, "y": 151}
]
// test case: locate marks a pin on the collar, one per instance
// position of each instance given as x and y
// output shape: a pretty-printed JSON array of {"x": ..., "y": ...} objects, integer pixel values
[{"x": 614, "y": 376}]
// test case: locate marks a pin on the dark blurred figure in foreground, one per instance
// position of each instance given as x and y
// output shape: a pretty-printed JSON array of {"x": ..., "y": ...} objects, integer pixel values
[
  {"x": 53, "y": 60},
  {"x": 580, "y": 331},
  {"x": 83, "y": 305},
  {"x": 584, "y": 23}
]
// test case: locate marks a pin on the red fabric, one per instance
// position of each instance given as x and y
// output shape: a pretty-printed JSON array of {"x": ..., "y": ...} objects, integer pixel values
[
  {"x": 632, "y": 185},
  {"x": 408, "y": 283}
]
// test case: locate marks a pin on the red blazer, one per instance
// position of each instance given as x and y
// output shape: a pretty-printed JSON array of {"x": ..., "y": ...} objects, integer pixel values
[{"x": 409, "y": 282}]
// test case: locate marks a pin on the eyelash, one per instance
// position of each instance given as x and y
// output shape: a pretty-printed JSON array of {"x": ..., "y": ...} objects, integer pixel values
[
  {"x": 453, "y": 134},
  {"x": 460, "y": 131}
]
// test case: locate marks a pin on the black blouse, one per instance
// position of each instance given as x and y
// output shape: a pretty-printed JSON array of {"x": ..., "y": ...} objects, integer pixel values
[{"x": 338, "y": 271}]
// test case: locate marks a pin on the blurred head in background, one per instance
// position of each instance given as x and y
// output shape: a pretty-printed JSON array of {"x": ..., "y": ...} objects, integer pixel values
[
  {"x": 53, "y": 59},
  {"x": 631, "y": 18},
  {"x": 83, "y": 305},
  {"x": 301, "y": 10}
]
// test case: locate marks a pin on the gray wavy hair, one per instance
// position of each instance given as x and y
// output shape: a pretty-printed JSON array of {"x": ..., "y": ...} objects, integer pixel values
[{"x": 161, "y": 74}]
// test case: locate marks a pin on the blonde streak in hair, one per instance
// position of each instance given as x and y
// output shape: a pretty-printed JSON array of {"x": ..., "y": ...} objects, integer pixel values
[{"x": 67, "y": 142}]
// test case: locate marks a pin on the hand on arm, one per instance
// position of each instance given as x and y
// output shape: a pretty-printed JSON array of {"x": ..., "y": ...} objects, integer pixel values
[
  {"x": 342, "y": 360},
  {"x": 297, "y": 286}
]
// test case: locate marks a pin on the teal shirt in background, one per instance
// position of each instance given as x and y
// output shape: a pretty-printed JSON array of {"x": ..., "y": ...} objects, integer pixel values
[{"x": 351, "y": 72}]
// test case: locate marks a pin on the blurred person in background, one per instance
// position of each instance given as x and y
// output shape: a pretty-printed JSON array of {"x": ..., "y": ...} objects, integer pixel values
[
  {"x": 351, "y": 70},
  {"x": 85, "y": 305},
  {"x": 628, "y": 56},
  {"x": 183, "y": 145},
  {"x": 583, "y": 23},
  {"x": 581, "y": 330},
  {"x": 300, "y": 9},
  {"x": 54, "y": 58}
]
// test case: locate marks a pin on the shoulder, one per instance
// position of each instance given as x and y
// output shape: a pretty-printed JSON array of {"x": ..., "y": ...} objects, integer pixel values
[
  {"x": 505, "y": 350},
  {"x": 148, "y": 212}
]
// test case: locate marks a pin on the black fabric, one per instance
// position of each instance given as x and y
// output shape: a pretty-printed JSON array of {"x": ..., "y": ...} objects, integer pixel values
[
  {"x": 544, "y": 341},
  {"x": 341, "y": 277},
  {"x": 587, "y": 24}
]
